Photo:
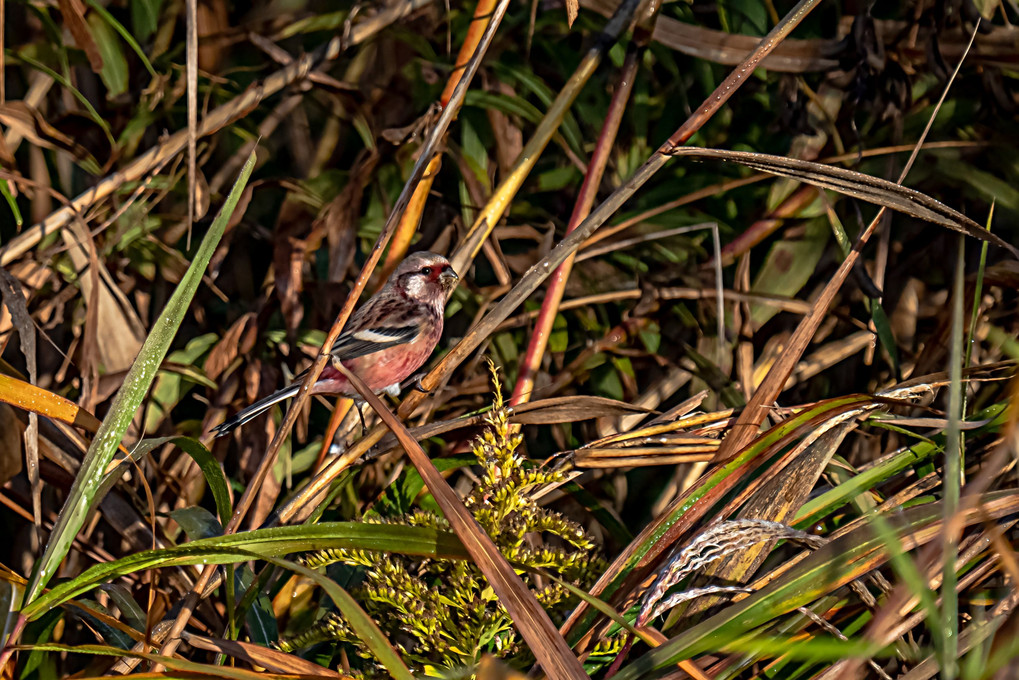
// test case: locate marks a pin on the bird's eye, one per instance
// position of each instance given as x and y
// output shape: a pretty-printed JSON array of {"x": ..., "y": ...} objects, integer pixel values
[{"x": 427, "y": 271}]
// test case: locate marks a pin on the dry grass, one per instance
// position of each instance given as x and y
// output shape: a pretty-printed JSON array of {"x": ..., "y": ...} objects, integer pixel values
[{"x": 782, "y": 403}]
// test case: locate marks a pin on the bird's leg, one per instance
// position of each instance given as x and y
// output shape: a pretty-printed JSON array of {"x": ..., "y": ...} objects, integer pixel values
[{"x": 359, "y": 405}]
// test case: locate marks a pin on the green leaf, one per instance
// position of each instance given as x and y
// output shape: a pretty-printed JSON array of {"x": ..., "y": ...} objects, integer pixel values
[
  {"x": 130, "y": 611},
  {"x": 114, "y": 72},
  {"x": 83, "y": 494},
  {"x": 12, "y": 203},
  {"x": 145, "y": 17},
  {"x": 197, "y": 522},
  {"x": 559, "y": 338},
  {"x": 114, "y": 636},
  {"x": 787, "y": 268},
  {"x": 399, "y": 498},
  {"x": 128, "y": 38},
  {"x": 10, "y": 602},
  {"x": 261, "y": 620}
]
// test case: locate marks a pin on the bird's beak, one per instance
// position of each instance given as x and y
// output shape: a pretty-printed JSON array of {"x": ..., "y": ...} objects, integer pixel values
[{"x": 448, "y": 279}]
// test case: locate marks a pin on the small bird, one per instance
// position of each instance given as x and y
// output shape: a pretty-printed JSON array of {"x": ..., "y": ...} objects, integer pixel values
[{"x": 385, "y": 341}]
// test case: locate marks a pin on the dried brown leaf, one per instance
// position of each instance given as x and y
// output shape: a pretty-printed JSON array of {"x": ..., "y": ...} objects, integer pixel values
[
  {"x": 289, "y": 252},
  {"x": 10, "y": 444},
  {"x": 573, "y": 408},
  {"x": 14, "y": 300},
  {"x": 270, "y": 659},
  {"x": 238, "y": 340},
  {"x": 73, "y": 12},
  {"x": 33, "y": 126},
  {"x": 572, "y": 9}
]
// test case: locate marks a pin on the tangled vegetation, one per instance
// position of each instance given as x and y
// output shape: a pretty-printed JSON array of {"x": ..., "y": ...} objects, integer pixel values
[{"x": 750, "y": 268}]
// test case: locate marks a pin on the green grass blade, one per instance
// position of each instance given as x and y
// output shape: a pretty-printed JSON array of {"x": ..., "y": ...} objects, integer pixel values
[
  {"x": 978, "y": 292},
  {"x": 5, "y": 190},
  {"x": 263, "y": 543},
  {"x": 952, "y": 482},
  {"x": 125, "y": 34},
  {"x": 139, "y": 378}
]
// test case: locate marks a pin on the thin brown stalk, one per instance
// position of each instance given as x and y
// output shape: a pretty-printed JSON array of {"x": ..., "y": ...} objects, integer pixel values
[
  {"x": 531, "y": 363},
  {"x": 191, "y": 24}
]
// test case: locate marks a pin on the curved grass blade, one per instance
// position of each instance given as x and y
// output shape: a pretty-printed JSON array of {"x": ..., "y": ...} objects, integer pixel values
[
  {"x": 129, "y": 397},
  {"x": 858, "y": 185},
  {"x": 125, "y": 34},
  {"x": 179, "y": 668},
  {"x": 261, "y": 544},
  {"x": 359, "y": 621},
  {"x": 12, "y": 204},
  {"x": 209, "y": 466}
]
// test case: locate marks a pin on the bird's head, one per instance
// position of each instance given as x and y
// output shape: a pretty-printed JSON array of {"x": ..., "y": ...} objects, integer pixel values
[{"x": 424, "y": 276}]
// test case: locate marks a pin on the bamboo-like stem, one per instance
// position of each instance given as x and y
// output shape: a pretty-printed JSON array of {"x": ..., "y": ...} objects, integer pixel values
[
  {"x": 411, "y": 219},
  {"x": 531, "y": 363}
]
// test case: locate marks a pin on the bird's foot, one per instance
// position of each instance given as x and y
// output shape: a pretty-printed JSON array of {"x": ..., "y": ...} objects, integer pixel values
[{"x": 418, "y": 387}]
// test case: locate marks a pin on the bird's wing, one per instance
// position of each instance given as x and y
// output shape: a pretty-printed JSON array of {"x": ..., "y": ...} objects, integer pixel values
[{"x": 358, "y": 343}]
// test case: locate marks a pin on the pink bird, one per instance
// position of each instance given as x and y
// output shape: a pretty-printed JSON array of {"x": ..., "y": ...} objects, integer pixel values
[{"x": 385, "y": 341}]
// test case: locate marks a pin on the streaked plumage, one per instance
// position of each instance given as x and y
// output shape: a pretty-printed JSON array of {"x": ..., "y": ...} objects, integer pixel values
[{"x": 386, "y": 339}]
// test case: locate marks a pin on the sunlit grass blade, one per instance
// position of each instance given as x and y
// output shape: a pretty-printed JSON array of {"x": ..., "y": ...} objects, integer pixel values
[
  {"x": 366, "y": 629},
  {"x": 129, "y": 398},
  {"x": 261, "y": 543}
]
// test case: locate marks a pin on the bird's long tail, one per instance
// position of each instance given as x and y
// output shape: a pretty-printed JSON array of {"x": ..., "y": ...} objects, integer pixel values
[{"x": 256, "y": 409}]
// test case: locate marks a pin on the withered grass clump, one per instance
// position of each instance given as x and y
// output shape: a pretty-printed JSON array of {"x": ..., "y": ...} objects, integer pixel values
[{"x": 442, "y": 613}]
